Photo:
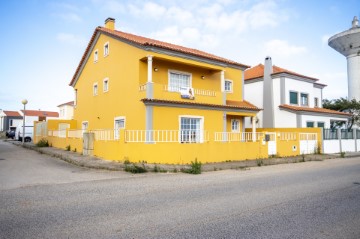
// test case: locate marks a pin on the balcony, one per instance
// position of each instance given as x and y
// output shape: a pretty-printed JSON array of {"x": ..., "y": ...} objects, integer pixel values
[{"x": 161, "y": 91}]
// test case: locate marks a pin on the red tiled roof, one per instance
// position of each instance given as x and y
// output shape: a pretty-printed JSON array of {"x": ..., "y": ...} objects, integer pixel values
[
  {"x": 40, "y": 113},
  {"x": 258, "y": 71},
  {"x": 144, "y": 41},
  {"x": 314, "y": 110},
  {"x": 12, "y": 113},
  {"x": 245, "y": 105},
  {"x": 70, "y": 103}
]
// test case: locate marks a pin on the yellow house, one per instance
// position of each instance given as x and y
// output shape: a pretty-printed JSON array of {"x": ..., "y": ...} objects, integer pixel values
[{"x": 145, "y": 100}]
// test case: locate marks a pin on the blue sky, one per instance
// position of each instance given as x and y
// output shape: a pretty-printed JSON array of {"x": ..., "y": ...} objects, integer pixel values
[{"x": 42, "y": 41}]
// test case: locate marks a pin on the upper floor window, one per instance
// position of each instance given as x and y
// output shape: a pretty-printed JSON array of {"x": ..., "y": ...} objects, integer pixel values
[
  {"x": 95, "y": 89},
  {"x": 106, "y": 49},
  {"x": 316, "y": 102},
  {"x": 304, "y": 99},
  {"x": 178, "y": 80},
  {"x": 96, "y": 55},
  {"x": 235, "y": 125},
  {"x": 106, "y": 85},
  {"x": 294, "y": 98},
  {"x": 228, "y": 86}
]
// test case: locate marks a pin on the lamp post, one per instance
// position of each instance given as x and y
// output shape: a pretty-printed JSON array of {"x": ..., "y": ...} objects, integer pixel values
[{"x": 24, "y": 102}]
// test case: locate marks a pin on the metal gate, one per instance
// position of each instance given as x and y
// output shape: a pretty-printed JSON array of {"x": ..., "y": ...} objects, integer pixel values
[
  {"x": 308, "y": 143},
  {"x": 271, "y": 141}
]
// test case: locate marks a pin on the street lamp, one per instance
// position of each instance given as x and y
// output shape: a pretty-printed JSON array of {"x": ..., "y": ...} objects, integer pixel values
[{"x": 24, "y": 102}]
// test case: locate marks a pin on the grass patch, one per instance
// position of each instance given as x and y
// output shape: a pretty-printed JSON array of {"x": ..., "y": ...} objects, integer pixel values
[
  {"x": 259, "y": 162},
  {"x": 342, "y": 154},
  {"x": 42, "y": 143},
  {"x": 158, "y": 169},
  {"x": 133, "y": 168},
  {"x": 195, "y": 168},
  {"x": 302, "y": 160}
]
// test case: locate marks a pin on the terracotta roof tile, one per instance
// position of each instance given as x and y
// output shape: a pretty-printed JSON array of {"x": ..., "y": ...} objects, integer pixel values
[
  {"x": 245, "y": 105},
  {"x": 70, "y": 103},
  {"x": 258, "y": 71},
  {"x": 40, "y": 113},
  {"x": 314, "y": 110},
  {"x": 12, "y": 113},
  {"x": 144, "y": 41}
]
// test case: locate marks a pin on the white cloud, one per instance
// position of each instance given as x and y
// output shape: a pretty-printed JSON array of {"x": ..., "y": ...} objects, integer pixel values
[
  {"x": 110, "y": 6},
  {"x": 69, "y": 17},
  {"x": 71, "y": 39},
  {"x": 148, "y": 9},
  {"x": 281, "y": 48}
]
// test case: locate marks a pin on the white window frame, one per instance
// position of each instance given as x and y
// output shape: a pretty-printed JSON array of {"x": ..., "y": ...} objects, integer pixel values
[
  {"x": 321, "y": 122},
  {"x": 106, "y": 49},
  {"x": 84, "y": 123},
  {"x": 96, "y": 55},
  {"x": 95, "y": 89},
  {"x": 307, "y": 99},
  {"x": 171, "y": 88},
  {"x": 309, "y": 121},
  {"x": 237, "y": 130},
  {"x": 106, "y": 82},
  {"x": 316, "y": 102},
  {"x": 297, "y": 97},
  {"x": 231, "y": 86},
  {"x": 75, "y": 97},
  {"x": 117, "y": 131},
  {"x": 201, "y": 136}
]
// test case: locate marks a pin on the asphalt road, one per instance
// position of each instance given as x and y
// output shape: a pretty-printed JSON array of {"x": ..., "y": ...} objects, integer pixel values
[{"x": 42, "y": 197}]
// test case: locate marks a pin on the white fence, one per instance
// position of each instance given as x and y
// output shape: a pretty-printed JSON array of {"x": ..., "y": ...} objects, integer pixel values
[
  {"x": 237, "y": 137},
  {"x": 341, "y": 140},
  {"x": 106, "y": 134},
  {"x": 166, "y": 136}
]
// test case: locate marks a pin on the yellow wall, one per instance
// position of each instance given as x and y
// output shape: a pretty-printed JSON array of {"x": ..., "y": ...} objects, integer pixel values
[{"x": 177, "y": 153}]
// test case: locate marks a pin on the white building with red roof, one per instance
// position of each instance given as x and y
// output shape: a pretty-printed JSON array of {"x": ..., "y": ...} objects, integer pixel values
[
  {"x": 288, "y": 99},
  {"x": 66, "y": 110}
]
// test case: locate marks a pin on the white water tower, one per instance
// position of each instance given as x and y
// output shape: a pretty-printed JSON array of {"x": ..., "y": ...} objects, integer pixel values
[{"x": 348, "y": 44}]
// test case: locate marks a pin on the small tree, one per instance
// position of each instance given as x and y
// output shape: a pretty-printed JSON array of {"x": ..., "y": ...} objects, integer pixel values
[{"x": 347, "y": 106}]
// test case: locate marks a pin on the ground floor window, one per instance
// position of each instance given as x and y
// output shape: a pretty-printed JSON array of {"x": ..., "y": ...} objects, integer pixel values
[
  {"x": 84, "y": 126},
  {"x": 321, "y": 124},
  {"x": 119, "y": 123},
  {"x": 191, "y": 129},
  {"x": 310, "y": 124}
]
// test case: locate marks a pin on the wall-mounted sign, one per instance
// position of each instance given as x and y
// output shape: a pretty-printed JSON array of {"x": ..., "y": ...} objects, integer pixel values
[{"x": 187, "y": 93}]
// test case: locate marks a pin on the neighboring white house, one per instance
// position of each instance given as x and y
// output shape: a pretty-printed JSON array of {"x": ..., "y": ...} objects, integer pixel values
[
  {"x": 288, "y": 99},
  {"x": 66, "y": 110},
  {"x": 38, "y": 115}
]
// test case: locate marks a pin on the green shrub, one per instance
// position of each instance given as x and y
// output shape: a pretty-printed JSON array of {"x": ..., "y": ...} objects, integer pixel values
[
  {"x": 135, "y": 168},
  {"x": 195, "y": 168},
  {"x": 259, "y": 162},
  {"x": 42, "y": 143},
  {"x": 74, "y": 150},
  {"x": 302, "y": 158},
  {"x": 68, "y": 148},
  {"x": 342, "y": 154},
  {"x": 158, "y": 169},
  {"x": 126, "y": 160}
]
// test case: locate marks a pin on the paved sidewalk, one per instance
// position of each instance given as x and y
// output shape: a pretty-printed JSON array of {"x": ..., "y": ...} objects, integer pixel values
[{"x": 97, "y": 163}]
